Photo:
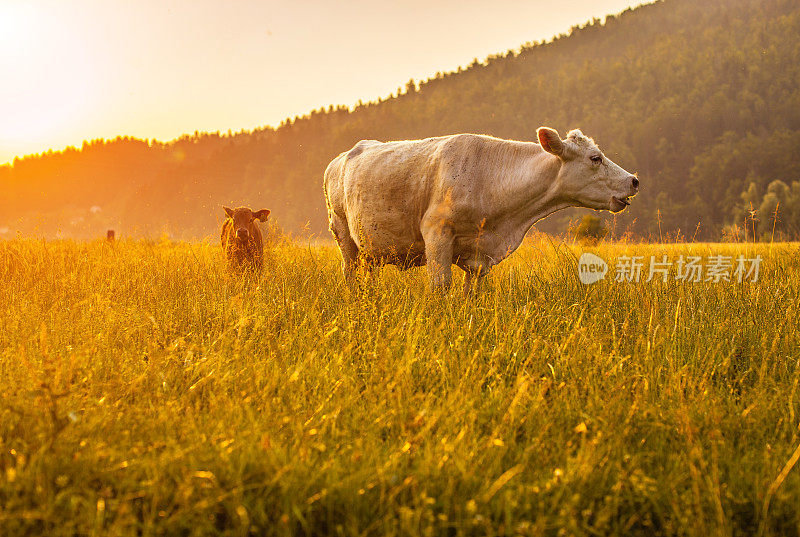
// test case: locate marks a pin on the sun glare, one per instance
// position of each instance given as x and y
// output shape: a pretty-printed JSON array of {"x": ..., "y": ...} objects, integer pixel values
[
  {"x": 47, "y": 76},
  {"x": 12, "y": 23}
]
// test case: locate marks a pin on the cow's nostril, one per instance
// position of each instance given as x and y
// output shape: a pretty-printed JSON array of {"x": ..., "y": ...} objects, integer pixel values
[{"x": 635, "y": 182}]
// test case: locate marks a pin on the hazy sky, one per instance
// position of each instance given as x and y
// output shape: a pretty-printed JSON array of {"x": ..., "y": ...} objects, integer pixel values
[{"x": 86, "y": 69}]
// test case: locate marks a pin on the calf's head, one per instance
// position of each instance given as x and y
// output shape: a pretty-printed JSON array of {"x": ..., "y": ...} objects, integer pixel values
[
  {"x": 244, "y": 221},
  {"x": 587, "y": 177}
]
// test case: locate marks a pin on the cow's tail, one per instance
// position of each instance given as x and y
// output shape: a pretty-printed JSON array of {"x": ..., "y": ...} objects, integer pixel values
[{"x": 333, "y": 174}]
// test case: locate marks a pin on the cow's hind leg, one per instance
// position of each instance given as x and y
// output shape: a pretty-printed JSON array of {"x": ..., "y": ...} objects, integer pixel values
[
  {"x": 347, "y": 246},
  {"x": 439, "y": 257}
]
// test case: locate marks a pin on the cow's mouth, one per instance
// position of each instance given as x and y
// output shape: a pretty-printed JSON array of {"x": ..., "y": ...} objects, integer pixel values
[{"x": 618, "y": 204}]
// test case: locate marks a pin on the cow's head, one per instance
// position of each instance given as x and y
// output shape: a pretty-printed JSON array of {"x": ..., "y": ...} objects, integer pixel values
[
  {"x": 244, "y": 221},
  {"x": 587, "y": 177}
]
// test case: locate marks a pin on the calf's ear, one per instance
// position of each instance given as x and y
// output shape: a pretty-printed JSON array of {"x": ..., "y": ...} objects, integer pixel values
[
  {"x": 550, "y": 141},
  {"x": 261, "y": 215},
  {"x": 228, "y": 211}
]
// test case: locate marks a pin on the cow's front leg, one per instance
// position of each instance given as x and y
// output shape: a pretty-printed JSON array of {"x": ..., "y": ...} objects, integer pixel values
[
  {"x": 472, "y": 280},
  {"x": 439, "y": 257},
  {"x": 474, "y": 271}
]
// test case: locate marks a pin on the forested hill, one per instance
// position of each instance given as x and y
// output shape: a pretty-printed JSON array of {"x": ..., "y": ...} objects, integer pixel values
[{"x": 701, "y": 98}]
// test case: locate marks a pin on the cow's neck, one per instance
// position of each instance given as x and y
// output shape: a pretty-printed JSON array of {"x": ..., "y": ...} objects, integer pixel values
[{"x": 533, "y": 193}]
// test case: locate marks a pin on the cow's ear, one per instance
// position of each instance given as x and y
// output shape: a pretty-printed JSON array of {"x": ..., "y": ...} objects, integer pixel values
[
  {"x": 550, "y": 141},
  {"x": 261, "y": 215},
  {"x": 228, "y": 211}
]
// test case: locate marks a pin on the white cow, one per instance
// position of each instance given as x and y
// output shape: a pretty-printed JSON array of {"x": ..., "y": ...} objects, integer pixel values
[{"x": 464, "y": 199}]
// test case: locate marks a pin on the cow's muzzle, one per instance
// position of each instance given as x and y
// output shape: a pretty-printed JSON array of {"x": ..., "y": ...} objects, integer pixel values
[{"x": 618, "y": 204}]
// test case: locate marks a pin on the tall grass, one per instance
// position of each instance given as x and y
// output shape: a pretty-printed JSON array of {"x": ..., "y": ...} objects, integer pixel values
[{"x": 145, "y": 391}]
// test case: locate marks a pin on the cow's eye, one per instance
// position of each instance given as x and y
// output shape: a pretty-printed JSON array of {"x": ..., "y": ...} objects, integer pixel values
[{"x": 596, "y": 159}]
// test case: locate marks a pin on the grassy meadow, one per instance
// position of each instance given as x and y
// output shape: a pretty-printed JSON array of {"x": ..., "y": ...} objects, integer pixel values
[{"x": 144, "y": 391}]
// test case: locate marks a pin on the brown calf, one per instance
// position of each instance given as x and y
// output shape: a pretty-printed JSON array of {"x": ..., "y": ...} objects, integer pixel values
[{"x": 242, "y": 240}]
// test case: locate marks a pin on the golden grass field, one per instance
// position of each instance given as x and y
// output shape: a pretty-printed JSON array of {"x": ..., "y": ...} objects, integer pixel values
[{"x": 147, "y": 392}]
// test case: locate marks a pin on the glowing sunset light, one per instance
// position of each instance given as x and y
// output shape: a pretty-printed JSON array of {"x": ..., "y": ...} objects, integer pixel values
[
  {"x": 90, "y": 69},
  {"x": 50, "y": 85}
]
